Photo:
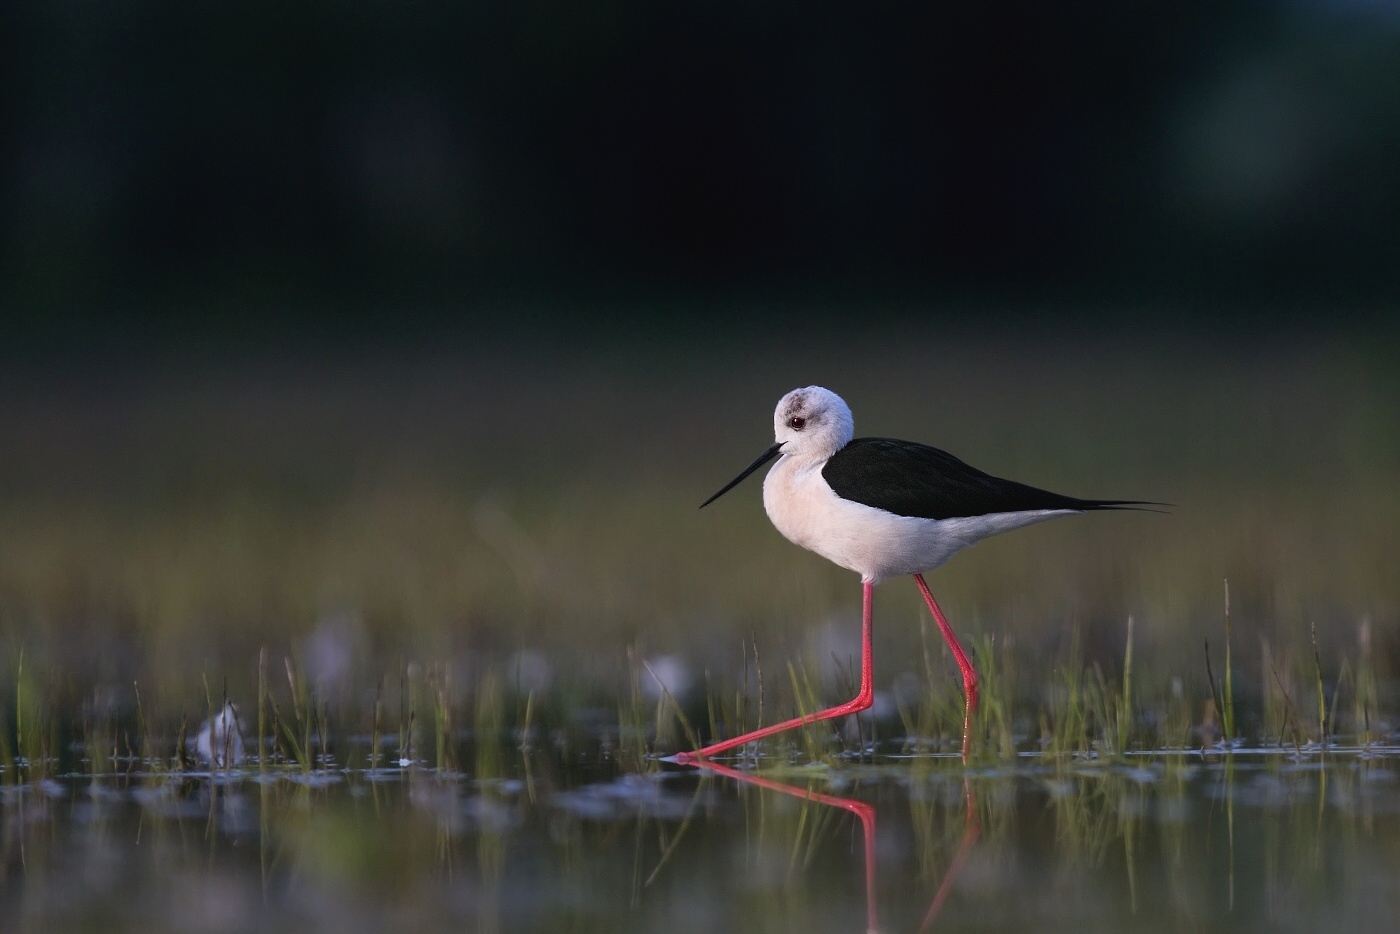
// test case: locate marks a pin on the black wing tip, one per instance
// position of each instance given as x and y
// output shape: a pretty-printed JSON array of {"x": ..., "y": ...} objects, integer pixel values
[{"x": 1133, "y": 505}]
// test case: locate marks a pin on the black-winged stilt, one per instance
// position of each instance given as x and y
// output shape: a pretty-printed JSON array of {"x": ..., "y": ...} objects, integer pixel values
[{"x": 883, "y": 508}]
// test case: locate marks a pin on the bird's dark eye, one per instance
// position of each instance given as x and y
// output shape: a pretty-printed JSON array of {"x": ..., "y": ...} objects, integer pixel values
[{"x": 797, "y": 423}]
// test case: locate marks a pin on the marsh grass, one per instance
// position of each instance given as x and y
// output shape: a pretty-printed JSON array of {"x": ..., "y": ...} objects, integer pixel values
[
  {"x": 810, "y": 738},
  {"x": 728, "y": 712},
  {"x": 489, "y": 729},
  {"x": 632, "y": 748},
  {"x": 1068, "y": 712},
  {"x": 1228, "y": 709},
  {"x": 1365, "y": 708},
  {"x": 1087, "y": 711},
  {"x": 35, "y": 728}
]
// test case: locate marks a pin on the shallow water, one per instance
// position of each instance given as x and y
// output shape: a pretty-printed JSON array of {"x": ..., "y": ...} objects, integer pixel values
[{"x": 1172, "y": 841}]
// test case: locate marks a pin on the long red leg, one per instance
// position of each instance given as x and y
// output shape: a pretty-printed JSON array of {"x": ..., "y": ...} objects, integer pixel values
[
  {"x": 968, "y": 672},
  {"x": 860, "y": 702}
]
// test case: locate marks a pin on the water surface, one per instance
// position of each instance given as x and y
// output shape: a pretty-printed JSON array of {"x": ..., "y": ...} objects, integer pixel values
[{"x": 1254, "y": 840}]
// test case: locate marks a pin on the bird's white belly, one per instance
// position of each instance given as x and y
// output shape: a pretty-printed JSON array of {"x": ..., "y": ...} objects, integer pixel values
[{"x": 873, "y": 543}]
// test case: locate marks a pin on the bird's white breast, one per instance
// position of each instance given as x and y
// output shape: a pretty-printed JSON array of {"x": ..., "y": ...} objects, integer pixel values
[{"x": 873, "y": 543}]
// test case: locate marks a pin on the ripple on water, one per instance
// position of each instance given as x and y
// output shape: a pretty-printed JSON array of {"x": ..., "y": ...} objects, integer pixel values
[{"x": 628, "y": 795}]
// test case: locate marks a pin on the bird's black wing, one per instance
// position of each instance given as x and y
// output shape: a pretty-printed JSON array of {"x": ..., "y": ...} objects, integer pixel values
[{"x": 910, "y": 479}]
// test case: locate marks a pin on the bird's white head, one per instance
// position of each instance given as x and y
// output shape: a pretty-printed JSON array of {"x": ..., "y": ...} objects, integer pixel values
[
  {"x": 809, "y": 424},
  {"x": 812, "y": 423}
]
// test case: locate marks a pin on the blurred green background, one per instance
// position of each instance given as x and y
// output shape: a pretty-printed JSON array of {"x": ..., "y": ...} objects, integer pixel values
[
  {"x": 166, "y": 523},
  {"x": 370, "y": 331}
]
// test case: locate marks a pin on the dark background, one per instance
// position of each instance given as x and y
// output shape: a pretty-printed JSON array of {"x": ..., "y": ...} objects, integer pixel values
[{"x": 336, "y": 171}]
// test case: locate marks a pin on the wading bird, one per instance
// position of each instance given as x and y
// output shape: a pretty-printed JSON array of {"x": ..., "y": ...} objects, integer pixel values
[{"x": 883, "y": 508}]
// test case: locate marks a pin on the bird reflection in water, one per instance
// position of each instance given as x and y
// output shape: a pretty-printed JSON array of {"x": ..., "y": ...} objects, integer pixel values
[{"x": 865, "y": 813}]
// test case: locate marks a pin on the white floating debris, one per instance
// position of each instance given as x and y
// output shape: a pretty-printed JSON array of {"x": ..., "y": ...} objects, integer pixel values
[{"x": 220, "y": 740}]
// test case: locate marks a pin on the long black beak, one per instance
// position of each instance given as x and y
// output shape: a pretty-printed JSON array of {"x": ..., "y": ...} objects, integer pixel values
[{"x": 763, "y": 458}]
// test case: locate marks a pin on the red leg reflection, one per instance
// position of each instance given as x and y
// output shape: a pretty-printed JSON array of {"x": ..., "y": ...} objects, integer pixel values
[
  {"x": 866, "y": 814},
  {"x": 863, "y": 811},
  {"x": 970, "y": 836}
]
